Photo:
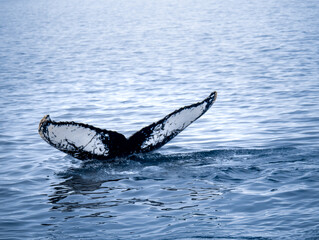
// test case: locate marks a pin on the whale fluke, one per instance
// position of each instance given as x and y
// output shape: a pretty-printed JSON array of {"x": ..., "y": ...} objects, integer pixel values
[{"x": 85, "y": 141}]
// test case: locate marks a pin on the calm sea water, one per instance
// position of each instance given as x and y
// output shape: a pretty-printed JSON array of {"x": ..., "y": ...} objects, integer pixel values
[{"x": 248, "y": 169}]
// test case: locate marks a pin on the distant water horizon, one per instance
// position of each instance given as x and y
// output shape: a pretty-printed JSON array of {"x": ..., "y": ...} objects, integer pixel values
[{"x": 247, "y": 169}]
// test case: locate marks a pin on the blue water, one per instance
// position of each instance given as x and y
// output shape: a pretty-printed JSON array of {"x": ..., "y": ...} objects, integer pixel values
[{"x": 248, "y": 169}]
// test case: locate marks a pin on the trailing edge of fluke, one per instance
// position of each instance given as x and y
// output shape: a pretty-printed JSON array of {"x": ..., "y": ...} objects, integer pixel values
[{"x": 85, "y": 141}]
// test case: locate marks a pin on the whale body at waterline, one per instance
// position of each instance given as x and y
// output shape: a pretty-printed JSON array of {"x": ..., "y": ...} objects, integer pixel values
[{"x": 85, "y": 141}]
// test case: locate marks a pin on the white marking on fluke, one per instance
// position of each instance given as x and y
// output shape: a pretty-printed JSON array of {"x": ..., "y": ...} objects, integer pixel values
[
  {"x": 175, "y": 123},
  {"x": 84, "y": 141}
]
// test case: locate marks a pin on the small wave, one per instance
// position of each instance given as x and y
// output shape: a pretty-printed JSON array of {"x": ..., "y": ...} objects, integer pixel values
[
  {"x": 157, "y": 157},
  {"x": 155, "y": 164}
]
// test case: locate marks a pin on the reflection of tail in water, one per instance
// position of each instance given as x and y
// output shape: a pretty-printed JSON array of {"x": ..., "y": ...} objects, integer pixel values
[
  {"x": 84, "y": 141},
  {"x": 74, "y": 185},
  {"x": 97, "y": 179}
]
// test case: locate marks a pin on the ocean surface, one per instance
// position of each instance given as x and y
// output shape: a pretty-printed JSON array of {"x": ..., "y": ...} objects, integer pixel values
[{"x": 247, "y": 169}]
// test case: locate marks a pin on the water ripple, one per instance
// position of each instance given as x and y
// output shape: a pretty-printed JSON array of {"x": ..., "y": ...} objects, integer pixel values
[{"x": 247, "y": 169}]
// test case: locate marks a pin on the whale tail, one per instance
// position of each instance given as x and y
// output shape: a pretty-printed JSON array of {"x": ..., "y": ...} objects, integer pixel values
[
  {"x": 85, "y": 141},
  {"x": 159, "y": 133},
  {"x": 82, "y": 141}
]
